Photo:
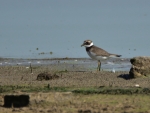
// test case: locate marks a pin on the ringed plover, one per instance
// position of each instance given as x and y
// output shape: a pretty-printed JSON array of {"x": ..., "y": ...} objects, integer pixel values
[{"x": 97, "y": 53}]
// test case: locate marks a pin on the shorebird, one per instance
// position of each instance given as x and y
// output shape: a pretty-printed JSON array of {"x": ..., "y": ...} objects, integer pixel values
[{"x": 97, "y": 53}]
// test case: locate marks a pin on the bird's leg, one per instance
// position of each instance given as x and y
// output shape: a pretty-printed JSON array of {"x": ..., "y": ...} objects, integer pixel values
[{"x": 99, "y": 65}]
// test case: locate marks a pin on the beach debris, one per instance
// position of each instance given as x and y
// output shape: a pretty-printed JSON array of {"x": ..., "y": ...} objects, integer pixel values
[
  {"x": 113, "y": 70},
  {"x": 38, "y": 62},
  {"x": 19, "y": 63},
  {"x": 140, "y": 67},
  {"x": 46, "y": 76},
  {"x": 137, "y": 85},
  {"x": 31, "y": 68},
  {"x": 48, "y": 86}
]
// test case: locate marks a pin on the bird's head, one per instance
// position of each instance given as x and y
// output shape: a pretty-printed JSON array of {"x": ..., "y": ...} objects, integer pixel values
[{"x": 87, "y": 43}]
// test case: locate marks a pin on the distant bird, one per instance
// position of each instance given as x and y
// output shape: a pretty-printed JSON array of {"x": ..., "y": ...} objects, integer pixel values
[{"x": 97, "y": 53}]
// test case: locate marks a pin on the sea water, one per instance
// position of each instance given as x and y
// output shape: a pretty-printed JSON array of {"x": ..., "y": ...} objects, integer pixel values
[{"x": 56, "y": 29}]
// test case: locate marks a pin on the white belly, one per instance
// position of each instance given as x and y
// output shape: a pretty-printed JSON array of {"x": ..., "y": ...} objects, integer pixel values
[{"x": 93, "y": 56}]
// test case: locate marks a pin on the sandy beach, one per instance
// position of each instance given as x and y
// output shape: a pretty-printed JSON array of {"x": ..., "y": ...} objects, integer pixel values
[{"x": 72, "y": 74}]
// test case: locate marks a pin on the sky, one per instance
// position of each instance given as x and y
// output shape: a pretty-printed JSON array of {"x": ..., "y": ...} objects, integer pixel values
[{"x": 31, "y": 27}]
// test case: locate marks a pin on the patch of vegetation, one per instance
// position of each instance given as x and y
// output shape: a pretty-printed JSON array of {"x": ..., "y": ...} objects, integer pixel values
[
  {"x": 86, "y": 91},
  {"x": 61, "y": 71},
  {"x": 11, "y": 88},
  {"x": 47, "y": 89},
  {"x": 114, "y": 91}
]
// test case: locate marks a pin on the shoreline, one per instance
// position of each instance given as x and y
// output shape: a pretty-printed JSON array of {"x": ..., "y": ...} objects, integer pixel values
[{"x": 119, "y": 64}]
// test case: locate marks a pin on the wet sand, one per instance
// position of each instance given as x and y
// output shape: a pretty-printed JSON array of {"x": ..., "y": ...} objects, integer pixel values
[{"x": 72, "y": 72}]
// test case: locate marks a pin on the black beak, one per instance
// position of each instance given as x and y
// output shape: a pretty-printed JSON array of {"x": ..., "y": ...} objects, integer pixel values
[{"x": 82, "y": 45}]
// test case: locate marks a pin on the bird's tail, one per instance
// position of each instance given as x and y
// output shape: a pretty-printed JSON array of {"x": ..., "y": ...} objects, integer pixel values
[{"x": 114, "y": 55}]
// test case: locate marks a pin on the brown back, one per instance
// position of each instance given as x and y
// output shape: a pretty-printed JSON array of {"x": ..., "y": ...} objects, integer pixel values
[{"x": 98, "y": 51}]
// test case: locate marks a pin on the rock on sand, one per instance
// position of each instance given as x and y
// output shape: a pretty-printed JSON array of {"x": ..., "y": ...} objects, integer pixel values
[{"x": 140, "y": 67}]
